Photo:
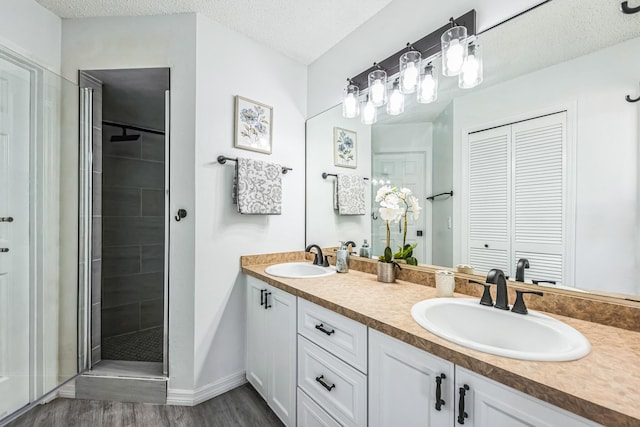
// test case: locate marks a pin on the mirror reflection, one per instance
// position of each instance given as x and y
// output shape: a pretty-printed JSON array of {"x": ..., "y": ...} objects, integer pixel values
[{"x": 542, "y": 158}]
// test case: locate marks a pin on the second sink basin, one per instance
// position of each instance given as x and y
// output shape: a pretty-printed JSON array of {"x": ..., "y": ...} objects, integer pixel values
[
  {"x": 299, "y": 270},
  {"x": 534, "y": 336}
]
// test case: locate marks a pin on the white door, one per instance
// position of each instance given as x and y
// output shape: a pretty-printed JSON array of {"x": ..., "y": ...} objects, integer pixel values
[
  {"x": 402, "y": 170},
  {"x": 14, "y": 236}
]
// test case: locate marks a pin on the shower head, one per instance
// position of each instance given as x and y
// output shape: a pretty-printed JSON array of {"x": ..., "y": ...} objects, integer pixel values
[{"x": 124, "y": 137}]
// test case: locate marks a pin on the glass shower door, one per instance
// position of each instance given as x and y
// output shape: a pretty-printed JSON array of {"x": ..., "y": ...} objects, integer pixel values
[{"x": 15, "y": 136}]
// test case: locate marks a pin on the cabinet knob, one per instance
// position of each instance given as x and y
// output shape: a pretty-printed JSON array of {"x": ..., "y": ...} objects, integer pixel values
[
  {"x": 6, "y": 219},
  {"x": 2, "y": 250}
]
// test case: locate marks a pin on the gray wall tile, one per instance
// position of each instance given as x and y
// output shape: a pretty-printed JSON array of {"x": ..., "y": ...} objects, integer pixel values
[
  {"x": 132, "y": 231},
  {"x": 96, "y": 281},
  {"x": 96, "y": 237},
  {"x": 120, "y": 260},
  {"x": 119, "y": 172},
  {"x": 151, "y": 313},
  {"x": 152, "y": 202},
  {"x": 152, "y": 258},
  {"x": 97, "y": 194},
  {"x": 118, "y": 201},
  {"x": 117, "y": 291},
  {"x": 120, "y": 320},
  {"x": 153, "y": 147}
]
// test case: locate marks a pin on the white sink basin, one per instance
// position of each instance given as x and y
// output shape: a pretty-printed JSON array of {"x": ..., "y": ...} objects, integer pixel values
[
  {"x": 533, "y": 336},
  {"x": 299, "y": 270}
]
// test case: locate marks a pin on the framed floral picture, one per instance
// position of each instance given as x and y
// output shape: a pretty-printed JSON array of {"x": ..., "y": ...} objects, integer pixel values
[
  {"x": 253, "y": 125},
  {"x": 344, "y": 148}
]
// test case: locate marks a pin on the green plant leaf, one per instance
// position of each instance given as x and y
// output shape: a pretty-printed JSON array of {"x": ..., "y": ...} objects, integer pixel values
[
  {"x": 388, "y": 255},
  {"x": 411, "y": 260}
]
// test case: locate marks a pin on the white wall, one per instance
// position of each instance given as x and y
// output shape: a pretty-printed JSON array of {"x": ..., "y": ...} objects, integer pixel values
[
  {"x": 144, "y": 42},
  {"x": 606, "y": 138},
  {"x": 230, "y": 64},
  {"x": 32, "y": 31},
  {"x": 387, "y": 32},
  {"x": 325, "y": 226}
]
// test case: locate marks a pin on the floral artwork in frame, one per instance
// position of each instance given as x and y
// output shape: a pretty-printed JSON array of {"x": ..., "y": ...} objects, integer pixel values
[
  {"x": 254, "y": 125},
  {"x": 344, "y": 148}
]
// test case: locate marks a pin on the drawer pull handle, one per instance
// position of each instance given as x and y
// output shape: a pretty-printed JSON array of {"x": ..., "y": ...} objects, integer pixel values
[
  {"x": 461, "y": 413},
  {"x": 262, "y": 292},
  {"x": 439, "y": 401},
  {"x": 325, "y": 385},
  {"x": 321, "y": 328},
  {"x": 266, "y": 300}
]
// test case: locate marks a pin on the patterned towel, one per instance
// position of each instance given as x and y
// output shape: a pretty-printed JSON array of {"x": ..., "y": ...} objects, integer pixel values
[
  {"x": 258, "y": 187},
  {"x": 350, "y": 195}
]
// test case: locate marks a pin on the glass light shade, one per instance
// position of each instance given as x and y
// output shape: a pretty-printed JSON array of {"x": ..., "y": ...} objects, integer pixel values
[
  {"x": 454, "y": 50},
  {"x": 350, "y": 102},
  {"x": 409, "y": 71},
  {"x": 428, "y": 88},
  {"x": 471, "y": 74},
  {"x": 395, "y": 105},
  {"x": 369, "y": 113},
  {"x": 378, "y": 87}
]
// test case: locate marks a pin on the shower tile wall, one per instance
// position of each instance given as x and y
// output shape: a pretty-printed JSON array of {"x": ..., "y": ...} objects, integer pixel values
[
  {"x": 96, "y": 256},
  {"x": 133, "y": 236}
]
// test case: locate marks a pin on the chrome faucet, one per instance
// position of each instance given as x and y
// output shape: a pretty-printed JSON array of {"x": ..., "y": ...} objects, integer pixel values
[
  {"x": 522, "y": 264},
  {"x": 319, "y": 258},
  {"x": 496, "y": 276}
]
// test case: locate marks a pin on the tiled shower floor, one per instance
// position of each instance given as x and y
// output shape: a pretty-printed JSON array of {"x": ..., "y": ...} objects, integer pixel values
[{"x": 143, "y": 346}]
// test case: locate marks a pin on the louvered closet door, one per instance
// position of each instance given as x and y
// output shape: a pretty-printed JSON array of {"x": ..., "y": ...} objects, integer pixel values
[
  {"x": 489, "y": 199},
  {"x": 539, "y": 195}
]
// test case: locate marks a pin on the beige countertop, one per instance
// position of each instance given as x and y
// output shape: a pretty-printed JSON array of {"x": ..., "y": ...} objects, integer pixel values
[{"x": 604, "y": 386}]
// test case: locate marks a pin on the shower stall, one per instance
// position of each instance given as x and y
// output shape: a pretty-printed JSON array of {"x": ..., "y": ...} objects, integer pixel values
[{"x": 124, "y": 190}]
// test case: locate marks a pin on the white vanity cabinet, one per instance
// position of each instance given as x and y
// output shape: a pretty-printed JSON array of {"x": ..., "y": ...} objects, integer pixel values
[
  {"x": 271, "y": 347},
  {"x": 488, "y": 403},
  {"x": 332, "y": 368},
  {"x": 408, "y": 386}
]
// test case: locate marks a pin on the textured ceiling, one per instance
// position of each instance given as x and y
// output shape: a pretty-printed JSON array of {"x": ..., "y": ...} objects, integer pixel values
[{"x": 301, "y": 29}]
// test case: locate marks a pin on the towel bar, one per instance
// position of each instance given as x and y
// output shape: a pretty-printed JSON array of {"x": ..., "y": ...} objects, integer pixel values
[
  {"x": 325, "y": 175},
  {"x": 223, "y": 159}
]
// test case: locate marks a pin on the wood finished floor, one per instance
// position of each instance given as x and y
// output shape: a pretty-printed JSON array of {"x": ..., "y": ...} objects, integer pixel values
[{"x": 239, "y": 407}]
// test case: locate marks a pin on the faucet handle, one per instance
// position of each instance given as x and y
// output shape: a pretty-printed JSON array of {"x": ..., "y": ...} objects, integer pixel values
[
  {"x": 486, "y": 294},
  {"x": 325, "y": 262},
  {"x": 537, "y": 282},
  {"x": 518, "y": 306}
]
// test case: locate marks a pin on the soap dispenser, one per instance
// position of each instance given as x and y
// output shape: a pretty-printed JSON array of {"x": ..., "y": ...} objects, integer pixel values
[
  {"x": 365, "y": 250},
  {"x": 342, "y": 259}
]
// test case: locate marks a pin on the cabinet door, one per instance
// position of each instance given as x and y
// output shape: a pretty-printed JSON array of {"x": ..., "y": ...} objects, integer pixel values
[
  {"x": 489, "y": 404},
  {"x": 402, "y": 385},
  {"x": 281, "y": 336},
  {"x": 257, "y": 356}
]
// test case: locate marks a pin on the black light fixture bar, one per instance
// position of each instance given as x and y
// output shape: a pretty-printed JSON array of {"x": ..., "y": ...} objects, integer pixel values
[{"x": 427, "y": 46}]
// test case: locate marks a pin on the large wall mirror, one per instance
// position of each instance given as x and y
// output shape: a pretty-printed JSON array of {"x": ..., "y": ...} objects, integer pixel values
[{"x": 542, "y": 158}]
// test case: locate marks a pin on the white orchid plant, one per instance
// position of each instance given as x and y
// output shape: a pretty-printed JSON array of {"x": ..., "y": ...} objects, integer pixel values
[{"x": 395, "y": 206}]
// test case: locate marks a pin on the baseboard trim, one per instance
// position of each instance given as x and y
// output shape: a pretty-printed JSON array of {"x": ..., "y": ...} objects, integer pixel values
[
  {"x": 68, "y": 391},
  {"x": 181, "y": 397}
]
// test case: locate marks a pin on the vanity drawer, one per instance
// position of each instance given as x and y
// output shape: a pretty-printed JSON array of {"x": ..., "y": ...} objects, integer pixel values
[
  {"x": 337, "y": 387},
  {"x": 312, "y": 415},
  {"x": 337, "y": 334}
]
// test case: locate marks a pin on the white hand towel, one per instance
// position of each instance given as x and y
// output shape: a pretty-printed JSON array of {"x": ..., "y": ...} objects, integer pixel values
[
  {"x": 259, "y": 187},
  {"x": 350, "y": 195}
]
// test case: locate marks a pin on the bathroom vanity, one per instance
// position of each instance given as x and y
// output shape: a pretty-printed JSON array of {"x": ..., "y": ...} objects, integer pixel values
[{"x": 363, "y": 360}]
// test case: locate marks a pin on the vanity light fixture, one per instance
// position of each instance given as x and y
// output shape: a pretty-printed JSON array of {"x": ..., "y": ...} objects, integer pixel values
[
  {"x": 450, "y": 41},
  {"x": 471, "y": 73},
  {"x": 378, "y": 86},
  {"x": 409, "y": 70},
  {"x": 369, "y": 112},
  {"x": 428, "y": 87},
  {"x": 395, "y": 105},
  {"x": 454, "y": 51},
  {"x": 350, "y": 102}
]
